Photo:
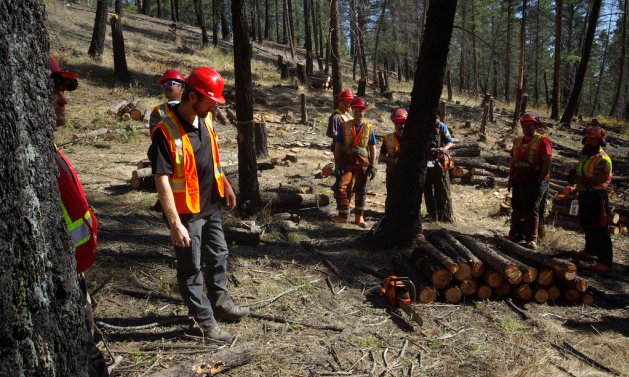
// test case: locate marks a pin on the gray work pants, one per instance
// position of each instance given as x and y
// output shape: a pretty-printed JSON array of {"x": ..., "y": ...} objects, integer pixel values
[{"x": 204, "y": 263}]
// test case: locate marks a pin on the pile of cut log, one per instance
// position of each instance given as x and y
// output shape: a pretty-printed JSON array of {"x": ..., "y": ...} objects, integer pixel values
[
  {"x": 125, "y": 110},
  {"x": 450, "y": 267}
]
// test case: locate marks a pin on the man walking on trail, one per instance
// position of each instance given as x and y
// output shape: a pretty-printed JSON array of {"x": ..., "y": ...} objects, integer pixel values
[
  {"x": 79, "y": 218},
  {"x": 354, "y": 156},
  {"x": 172, "y": 86},
  {"x": 592, "y": 176},
  {"x": 528, "y": 177},
  {"x": 437, "y": 185},
  {"x": 390, "y": 151},
  {"x": 191, "y": 187},
  {"x": 339, "y": 116}
]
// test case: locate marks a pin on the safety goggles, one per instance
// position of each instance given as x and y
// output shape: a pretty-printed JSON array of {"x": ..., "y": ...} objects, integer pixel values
[{"x": 170, "y": 84}]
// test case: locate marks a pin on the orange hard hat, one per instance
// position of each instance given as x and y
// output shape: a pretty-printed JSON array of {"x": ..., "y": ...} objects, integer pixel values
[
  {"x": 345, "y": 95},
  {"x": 399, "y": 115},
  {"x": 208, "y": 82},
  {"x": 67, "y": 79},
  {"x": 358, "y": 102},
  {"x": 171, "y": 74},
  {"x": 528, "y": 117}
]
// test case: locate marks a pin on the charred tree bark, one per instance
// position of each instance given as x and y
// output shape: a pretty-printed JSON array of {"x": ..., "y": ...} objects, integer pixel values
[
  {"x": 225, "y": 28},
  {"x": 43, "y": 330},
  {"x": 621, "y": 65},
  {"x": 249, "y": 200},
  {"x": 337, "y": 79},
  {"x": 401, "y": 218},
  {"x": 554, "y": 109},
  {"x": 97, "y": 45},
  {"x": 174, "y": 13},
  {"x": 146, "y": 7},
  {"x": 309, "y": 64},
  {"x": 375, "y": 50},
  {"x": 520, "y": 89},
  {"x": 583, "y": 63},
  {"x": 120, "y": 60},
  {"x": 198, "y": 10},
  {"x": 118, "y": 7},
  {"x": 159, "y": 8}
]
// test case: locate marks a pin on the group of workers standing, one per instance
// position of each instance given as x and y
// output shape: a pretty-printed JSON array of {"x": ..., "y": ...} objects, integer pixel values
[{"x": 354, "y": 146}]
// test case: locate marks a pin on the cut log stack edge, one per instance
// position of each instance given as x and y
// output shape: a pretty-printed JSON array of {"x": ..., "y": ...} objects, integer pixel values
[{"x": 449, "y": 267}]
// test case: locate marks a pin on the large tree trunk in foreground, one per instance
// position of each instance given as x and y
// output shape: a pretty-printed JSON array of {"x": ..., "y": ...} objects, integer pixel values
[
  {"x": 583, "y": 63},
  {"x": 249, "y": 195},
  {"x": 43, "y": 332},
  {"x": 401, "y": 218},
  {"x": 97, "y": 45}
]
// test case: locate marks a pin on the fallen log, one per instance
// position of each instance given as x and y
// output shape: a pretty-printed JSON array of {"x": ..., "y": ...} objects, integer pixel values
[
  {"x": 492, "y": 278},
  {"x": 142, "y": 179},
  {"x": 540, "y": 295},
  {"x": 472, "y": 260},
  {"x": 553, "y": 293},
  {"x": 116, "y": 108},
  {"x": 545, "y": 277},
  {"x": 568, "y": 269},
  {"x": 491, "y": 257},
  {"x": 464, "y": 271},
  {"x": 402, "y": 267},
  {"x": 439, "y": 276},
  {"x": 427, "y": 248},
  {"x": 515, "y": 281},
  {"x": 213, "y": 363},
  {"x": 465, "y": 152},
  {"x": 524, "y": 292},
  {"x": 458, "y": 172},
  {"x": 579, "y": 283},
  {"x": 529, "y": 273},
  {"x": 502, "y": 290},
  {"x": 571, "y": 295},
  {"x": 482, "y": 180},
  {"x": 469, "y": 144},
  {"x": 484, "y": 292},
  {"x": 453, "y": 294},
  {"x": 241, "y": 236},
  {"x": 137, "y": 110},
  {"x": 479, "y": 171},
  {"x": 469, "y": 287},
  {"x": 294, "y": 200},
  {"x": 587, "y": 299}
]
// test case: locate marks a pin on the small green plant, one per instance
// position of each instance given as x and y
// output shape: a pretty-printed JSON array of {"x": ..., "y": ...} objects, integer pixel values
[
  {"x": 474, "y": 347},
  {"x": 366, "y": 341},
  {"x": 511, "y": 325},
  {"x": 435, "y": 343}
]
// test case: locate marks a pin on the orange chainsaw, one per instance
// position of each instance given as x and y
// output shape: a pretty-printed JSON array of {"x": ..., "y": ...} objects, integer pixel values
[{"x": 400, "y": 291}]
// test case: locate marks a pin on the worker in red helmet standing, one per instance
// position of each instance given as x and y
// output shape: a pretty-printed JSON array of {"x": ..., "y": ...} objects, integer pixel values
[
  {"x": 437, "y": 185},
  {"x": 172, "y": 87},
  {"x": 339, "y": 116},
  {"x": 592, "y": 176},
  {"x": 354, "y": 156},
  {"x": 191, "y": 187},
  {"x": 80, "y": 221},
  {"x": 529, "y": 172},
  {"x": 390, "y": 150}
]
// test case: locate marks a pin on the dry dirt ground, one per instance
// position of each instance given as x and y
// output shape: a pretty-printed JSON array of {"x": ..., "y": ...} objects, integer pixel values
[{"x": 133, "y": 281}]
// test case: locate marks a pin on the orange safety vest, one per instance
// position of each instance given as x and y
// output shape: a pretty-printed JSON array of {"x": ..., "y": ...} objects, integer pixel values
[
  {"x": 356, "y": 144},
  {"x": 80, "y": 221},
  {"x": 184, "y": 181},
  {"x": 586, "y": 167},
  {"x": 392, "y": 144},
  {"x": 527, "y": 158},
  {"x": 162, "y": 110}
]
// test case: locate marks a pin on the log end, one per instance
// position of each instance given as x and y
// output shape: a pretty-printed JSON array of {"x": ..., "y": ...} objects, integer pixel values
[{"x": 484, "y": 292}]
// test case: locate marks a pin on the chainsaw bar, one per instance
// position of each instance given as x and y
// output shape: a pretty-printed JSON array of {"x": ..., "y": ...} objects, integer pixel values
[{"x": 410, "y": 311}]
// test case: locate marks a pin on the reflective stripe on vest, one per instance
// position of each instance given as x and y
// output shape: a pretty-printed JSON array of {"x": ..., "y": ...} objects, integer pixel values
[
  {"x": 586, "y": 167},
  {"x": 81, "y": 229},
  {"x": 356, "y": 143},
  {"x": 529, "y": 157},
  {"x": 392, "y": 144},
  {"x": 345, "y": 116},
  {"x": 162, "y": 110},
  {"x": 184, "y": 181}
]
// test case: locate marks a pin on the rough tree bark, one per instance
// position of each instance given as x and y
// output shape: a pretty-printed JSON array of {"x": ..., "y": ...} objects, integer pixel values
[
  {"x": 249, "y": 200},
  {"x": 400, "y": 223},
  {"x": 554, "y": 108},
  {"x": 43, "y": 331},
  {"x": 198, "y": 10},
  {"x": 309, "y": 64},
  {"x": 337, "y": 79},
  {"x": 583, "y": 63},
  {"x": 120, "y": 60},
  {"x": 97, "y": 45}
]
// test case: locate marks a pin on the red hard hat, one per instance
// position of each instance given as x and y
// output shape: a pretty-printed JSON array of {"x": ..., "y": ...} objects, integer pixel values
[
  {"x": 528, "y": 117},
  {"x": 399, "y": 115},
  {"x": 171, "y": 74},
  {"x": 345, "y": 95},
  {"x": 69, "y": 79},
  {"x": 208, "y": 82},
  {"x": 594, "y": 131},
  {"x": 358, "y": 102}
]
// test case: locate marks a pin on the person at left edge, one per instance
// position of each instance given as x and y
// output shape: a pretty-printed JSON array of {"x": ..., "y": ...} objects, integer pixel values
[{"x": 191, "y": 186}]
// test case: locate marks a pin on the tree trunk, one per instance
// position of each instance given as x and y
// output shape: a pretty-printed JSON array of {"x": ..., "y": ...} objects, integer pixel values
[
  {"x": 289, "y": 28},
  {"x": 601, "y": 72},
  {"x": 118, "y": 7},
  {"x": 320, "y": 27},
  {"x": 375, "y": 50},
  {"x": 249, "y": 200},
  {"x": 585, "y": 57},
  {"x": 277, "y": 22},
  {"x": 159, "y": 8},
  {"x": 621, "y": 65},
  {"x": 225, "y": 28},
  {"x": 536, "y": 58},
  {"x": 173, "y": 11},
  {"x": 362, "y": 59},
  {"x": 449, "y": 85},
  {"x": 262, "y": 149},
  {"x": 308, "y": 32},
  {"x": 258, "y": 22},
  {"x": 401, "y": 218},
  {"x": 284, "y": 22},
  {"x": 462, "y": 62},
  {"x": 146, "y": 7},
  {"x": 520, "y": 90},
  {"x": 508, "y": 52},
  {"x": 120, "y": 60},
  {"x": 97, "y": 45},
  {"x": 215, "y": 22},
  {"x": 267, "y": 21},
  {"x": 474, "y": 63},
  {"x": 315, "y": 34},
  {"x": 337, "y": 79},
  {"x": 43, "y": 326},
  {"x": 198, "y": 10},
  {"x": 554, "y": 110}
]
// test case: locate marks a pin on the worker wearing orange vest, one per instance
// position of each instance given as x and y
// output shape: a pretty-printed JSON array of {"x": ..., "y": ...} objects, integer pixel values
[
  {"x": 80, "y": 221},
  {"x": 592, "y": 176},
  {"x": 172, "y": 86},
  {"x": 191, "y": 186},
  {"x": 354, "y": 156},
  {"x": 390, "y": 150},
  {"x": 528, "y": 177},
  {"x": 339, "y": 116}
]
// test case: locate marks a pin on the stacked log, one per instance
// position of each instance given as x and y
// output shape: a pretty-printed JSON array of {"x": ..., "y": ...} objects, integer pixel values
[{"x": 125, "y": 110}]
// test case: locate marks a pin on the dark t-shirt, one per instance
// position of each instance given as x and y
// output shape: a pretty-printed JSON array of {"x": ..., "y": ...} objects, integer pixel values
[{"x": 161, "y": 163}]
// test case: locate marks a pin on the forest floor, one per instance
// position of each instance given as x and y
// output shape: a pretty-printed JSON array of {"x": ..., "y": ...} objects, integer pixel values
[{"x": 134, "y": 256}]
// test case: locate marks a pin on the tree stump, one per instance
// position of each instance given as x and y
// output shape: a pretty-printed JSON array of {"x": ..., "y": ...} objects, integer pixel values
[
  {"x": 304, "y": 111},
  {"x": 120, "y": 61},
  {"x": 301, "y": 73},
  {"x": 261, "y": 145},
  {"x": 362, "y": 87}
]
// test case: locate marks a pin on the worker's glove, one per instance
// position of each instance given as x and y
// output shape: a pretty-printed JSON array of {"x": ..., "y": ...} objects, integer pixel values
[
  {"x": 371, "y": 172},
  {"x": 338, "y": 170}
]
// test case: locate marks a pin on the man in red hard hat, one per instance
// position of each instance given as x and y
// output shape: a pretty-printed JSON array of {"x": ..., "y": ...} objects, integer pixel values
[
  {"x": 172, "y": 86},
  {"x": 354, "y": 156},
  {"x": 340, "y": 115},
  {"x": 592, "y": 176},
  {"x": 390, "y": 150},
  {"x": 80, "y": 221},
  {"x": 192, "y": 187},
  {"x": 528, "y": 177}
]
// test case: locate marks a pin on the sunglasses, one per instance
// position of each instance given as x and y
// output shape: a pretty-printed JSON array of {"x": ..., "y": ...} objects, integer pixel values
[{"x": 170, "y": 83}]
